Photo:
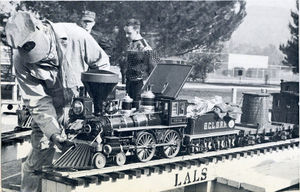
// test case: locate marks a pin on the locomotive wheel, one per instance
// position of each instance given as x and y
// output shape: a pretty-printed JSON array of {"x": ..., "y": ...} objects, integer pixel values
[
  {"x": 145, "y": 144},
  {"x": 99, "y": 160},
  {"x": 120, "y": 159},
  {"x": 173, "y": 138}
]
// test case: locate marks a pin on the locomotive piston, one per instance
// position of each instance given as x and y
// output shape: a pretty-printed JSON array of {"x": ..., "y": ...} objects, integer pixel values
[
  {"x": 112, "y": 149},
  {"x": 112, "y": 146}
]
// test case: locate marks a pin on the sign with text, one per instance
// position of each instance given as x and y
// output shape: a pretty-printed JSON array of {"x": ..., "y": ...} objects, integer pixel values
[{"x": 190, "y": 176}]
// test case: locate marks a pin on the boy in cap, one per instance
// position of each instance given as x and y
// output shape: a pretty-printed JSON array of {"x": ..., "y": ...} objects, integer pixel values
[
  {"x": 141, "y": 60},
  {"x": 88, "y": 22},
  {"x": 49, "y": 60}
]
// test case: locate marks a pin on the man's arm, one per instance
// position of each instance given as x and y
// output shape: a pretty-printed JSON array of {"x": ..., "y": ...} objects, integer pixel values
[
  {"x": 104, "y": 42},
  {"x": 94, "y": 55},
  {"x": 39, "y": 103},
  {"x": 151, "y": 60}
]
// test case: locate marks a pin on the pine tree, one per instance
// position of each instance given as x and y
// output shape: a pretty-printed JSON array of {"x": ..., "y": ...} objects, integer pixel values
[
  {"x": 291, "y": 49},
  {"x": 180, "y": 27}
]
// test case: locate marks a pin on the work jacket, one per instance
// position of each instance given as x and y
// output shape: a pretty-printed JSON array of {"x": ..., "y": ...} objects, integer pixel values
[{"x": 47, "y": 89}]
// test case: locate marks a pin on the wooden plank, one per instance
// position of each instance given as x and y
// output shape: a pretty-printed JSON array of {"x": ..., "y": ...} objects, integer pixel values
[
  {"x": 146, "y": 171},
  {"x": 257, "y": 152},
  {"x": 221, "y": 158},
  {"x": 154, "y": 169},
  {"x": 117, "y": 175},
  {"x": 90, "y": 179},
  {"x": 244, "y": 154},
  {"x": 250, "y": 153},
  {"x": 294, "y": 145},
  {"x": 229, "y": 157},
  {"x": 103, "y": 177},
  {"x": 276, "y": 149},
  {"x": 194, "y": 162},
  {"x": 135, "y": 172},
  {"x": 212, "y": 159},
  {"x": 238, "y": 155},
  {"x": 186, "y": 164},
  {"x": 204, "y": 161},
  {"x": 270, "y": 150},
  {"x": 172, "y": 165},
  {"x": 234, "y": 184},
  {"x": 250, "y": 187},
  {"x": 221, "y": 180},
  {"x": 178, "y": 166},
  {"x": 197, "y": 162},
  {"x": 168, "y": 167}
]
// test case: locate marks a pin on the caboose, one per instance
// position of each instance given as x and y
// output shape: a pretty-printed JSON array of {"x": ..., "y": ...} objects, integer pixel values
[{"x": 285, "y": 107}]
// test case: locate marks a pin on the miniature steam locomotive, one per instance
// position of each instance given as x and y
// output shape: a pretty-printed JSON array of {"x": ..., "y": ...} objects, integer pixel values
[{"x": 112, "y": 130}]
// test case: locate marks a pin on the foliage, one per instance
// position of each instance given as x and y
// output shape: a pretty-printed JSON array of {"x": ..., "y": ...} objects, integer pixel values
[
  {"x": 204, "y": 62},
  {"x": 291, "y": 49},
  {"x": 177, "y": 27}
]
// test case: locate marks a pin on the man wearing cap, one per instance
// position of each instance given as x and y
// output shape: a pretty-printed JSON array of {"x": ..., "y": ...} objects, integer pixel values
[
  {"x": 88, "y": 22},
  {"x": 49, "y": 60},
  {"x": 141, "y": 60}
]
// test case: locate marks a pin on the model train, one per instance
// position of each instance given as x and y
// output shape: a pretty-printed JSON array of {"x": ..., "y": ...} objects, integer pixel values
[{"x": 113, "y": 130}]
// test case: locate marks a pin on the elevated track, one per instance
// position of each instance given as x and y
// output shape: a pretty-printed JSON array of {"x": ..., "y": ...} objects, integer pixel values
[{"x": 176, "y": 172}]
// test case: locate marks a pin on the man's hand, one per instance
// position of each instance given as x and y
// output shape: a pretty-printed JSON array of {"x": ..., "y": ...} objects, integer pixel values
[{"x": 60, "y": 142}]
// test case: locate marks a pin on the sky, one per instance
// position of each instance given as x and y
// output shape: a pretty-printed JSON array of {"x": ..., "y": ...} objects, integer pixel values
[
  {"x": 289, "y": 4},
  {"x": 266, "y": 23}
]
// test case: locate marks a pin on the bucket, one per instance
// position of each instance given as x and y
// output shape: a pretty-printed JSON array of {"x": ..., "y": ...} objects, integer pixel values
[{"x": 255, "y": 109}]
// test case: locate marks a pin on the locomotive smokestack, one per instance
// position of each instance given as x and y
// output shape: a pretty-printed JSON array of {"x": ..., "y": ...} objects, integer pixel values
[{"x": 99, "y": 84}]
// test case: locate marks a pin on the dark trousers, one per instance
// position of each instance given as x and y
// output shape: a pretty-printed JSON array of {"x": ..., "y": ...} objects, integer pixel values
[{"x": 134, "y": 88}]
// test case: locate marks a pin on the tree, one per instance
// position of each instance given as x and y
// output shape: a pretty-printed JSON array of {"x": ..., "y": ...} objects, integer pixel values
[
  {"x": 291, "y": 49},
  {"x": 204, "y": 62},
  {"x": 181, "y": 26}
]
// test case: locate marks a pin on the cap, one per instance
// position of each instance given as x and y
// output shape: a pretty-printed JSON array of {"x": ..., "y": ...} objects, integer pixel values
[
  {"x": 88, "y": 15},
  {"x": 22, "y": 28}
]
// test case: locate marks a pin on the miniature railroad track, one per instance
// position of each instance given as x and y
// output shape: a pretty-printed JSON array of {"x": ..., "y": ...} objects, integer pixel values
[
  {"x": 86, "y": 177},
  {"x": 16, "y": 136}
]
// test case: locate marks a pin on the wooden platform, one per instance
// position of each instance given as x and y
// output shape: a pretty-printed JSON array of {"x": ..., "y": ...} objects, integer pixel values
[
  {"x": 15, "y": 145},
  {"x": 253, "y": 168}
]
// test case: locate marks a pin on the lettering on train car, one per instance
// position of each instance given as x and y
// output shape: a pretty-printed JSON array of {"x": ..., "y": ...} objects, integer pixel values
[{"x": 215, "y": 125}]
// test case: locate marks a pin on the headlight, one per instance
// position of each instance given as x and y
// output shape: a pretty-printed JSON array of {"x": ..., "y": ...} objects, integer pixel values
[
  {"x": 77, "y": 107},
  {"x": 231, "y": 124}
]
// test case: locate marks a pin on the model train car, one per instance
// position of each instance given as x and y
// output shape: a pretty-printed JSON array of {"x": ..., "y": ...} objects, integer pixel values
[{"x": 113, "y": 130}]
